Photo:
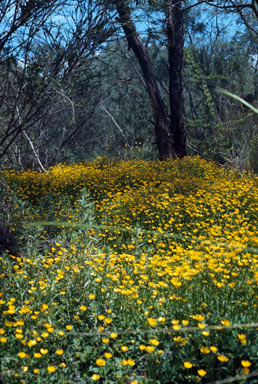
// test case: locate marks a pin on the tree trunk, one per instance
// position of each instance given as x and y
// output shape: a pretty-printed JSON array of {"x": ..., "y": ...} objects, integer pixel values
[
  {"x": 175, "y": 35},
  {"x": 166, "y": 142}
]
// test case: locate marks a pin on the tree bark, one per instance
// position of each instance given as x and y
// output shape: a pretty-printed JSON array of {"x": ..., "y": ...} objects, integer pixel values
[
  {"x": 159, "y": 109},
  {"x": 175, "y": 35},
  {"x": 170, "y": 139}
]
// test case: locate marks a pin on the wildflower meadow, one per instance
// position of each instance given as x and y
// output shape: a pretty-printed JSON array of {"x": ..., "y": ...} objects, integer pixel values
[{"x": 130, "y": 272}]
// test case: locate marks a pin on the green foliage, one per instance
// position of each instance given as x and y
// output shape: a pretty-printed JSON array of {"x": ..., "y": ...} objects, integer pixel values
[
  {"x": 225, "y": 92},
  {"x": 8, "y": 240},
  {"x": 219, "y": 127},
  {"x": 253, "y": 156},
  {"x": 196, "y": 75}
]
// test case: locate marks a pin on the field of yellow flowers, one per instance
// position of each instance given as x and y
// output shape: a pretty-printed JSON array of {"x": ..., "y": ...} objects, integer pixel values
[{"x": 131, "y": 272}]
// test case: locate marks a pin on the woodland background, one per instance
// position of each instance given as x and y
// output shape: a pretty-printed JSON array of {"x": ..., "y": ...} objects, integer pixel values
[{"x": 72, "y": 89}]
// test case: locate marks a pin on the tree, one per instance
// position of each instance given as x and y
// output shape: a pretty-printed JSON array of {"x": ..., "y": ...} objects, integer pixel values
[
  {"x": 21, "y": 21},
  {"x": 169, "y": 122},
  {"x": 42, "y": 44},
  {"x": 219, "y": 127},
  {"x": 51, "y": 86},
  {"x": 121, "y": 124},
  {"x": 247, "y": 10},
  {"x": 169, "y": 117}
]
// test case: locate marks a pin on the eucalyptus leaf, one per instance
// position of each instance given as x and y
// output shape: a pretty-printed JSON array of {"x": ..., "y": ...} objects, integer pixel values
[{"x": 238, "y": 98}]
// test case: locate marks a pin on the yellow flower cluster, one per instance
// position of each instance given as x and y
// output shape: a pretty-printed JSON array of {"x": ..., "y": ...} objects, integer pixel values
[{"x": 157, "y": 263}]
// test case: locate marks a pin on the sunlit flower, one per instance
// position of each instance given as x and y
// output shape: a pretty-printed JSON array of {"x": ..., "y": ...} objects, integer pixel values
[
  {"x": 152, "y": 322},
  {"x": 22, "y": 355},
  {"x": 44, "y": 307},
  {"x": 100, "y": 362},
  {"x": 223, "y": 358},
  {"x": 150, "y": 349},
  {"x": 205, "y": 350},
  {"x": 31, "y": 343},
  {"x": 201, "y": 372},
  {"x": 154, "y": 342},
  {"x": 51, "y": 369},
  {"x": 246, "y": 363},
  {"x": 226, "y": 323},
  {"x": 242, "y": 338},
  {"x": 43, "y": 351}
]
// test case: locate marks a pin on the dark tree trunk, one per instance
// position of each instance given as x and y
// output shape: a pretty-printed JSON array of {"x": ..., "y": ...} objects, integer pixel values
[
  {"x": 167, "y": 133},
  {"x": 175, "y": 35}
]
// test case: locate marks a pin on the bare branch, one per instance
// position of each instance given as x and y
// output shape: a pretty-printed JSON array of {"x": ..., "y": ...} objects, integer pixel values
[{"x": 116, "y": 124}]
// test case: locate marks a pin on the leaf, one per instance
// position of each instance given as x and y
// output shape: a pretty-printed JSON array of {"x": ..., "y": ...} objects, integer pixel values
[{"x": 223, "y": 91}]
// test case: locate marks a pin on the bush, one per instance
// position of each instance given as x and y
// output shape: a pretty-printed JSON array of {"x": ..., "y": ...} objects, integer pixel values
[
  {"x": 253, "y": 156},
  {"x": 7, "y": 240}
]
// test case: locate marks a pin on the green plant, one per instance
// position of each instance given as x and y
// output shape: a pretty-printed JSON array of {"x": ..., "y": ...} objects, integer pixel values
[
  {"x": 253, "y": 145},
  {"x": 7, "y": 239},
  {"x": 225, "y": 92},
  {"x": 253, "y": 156}
]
